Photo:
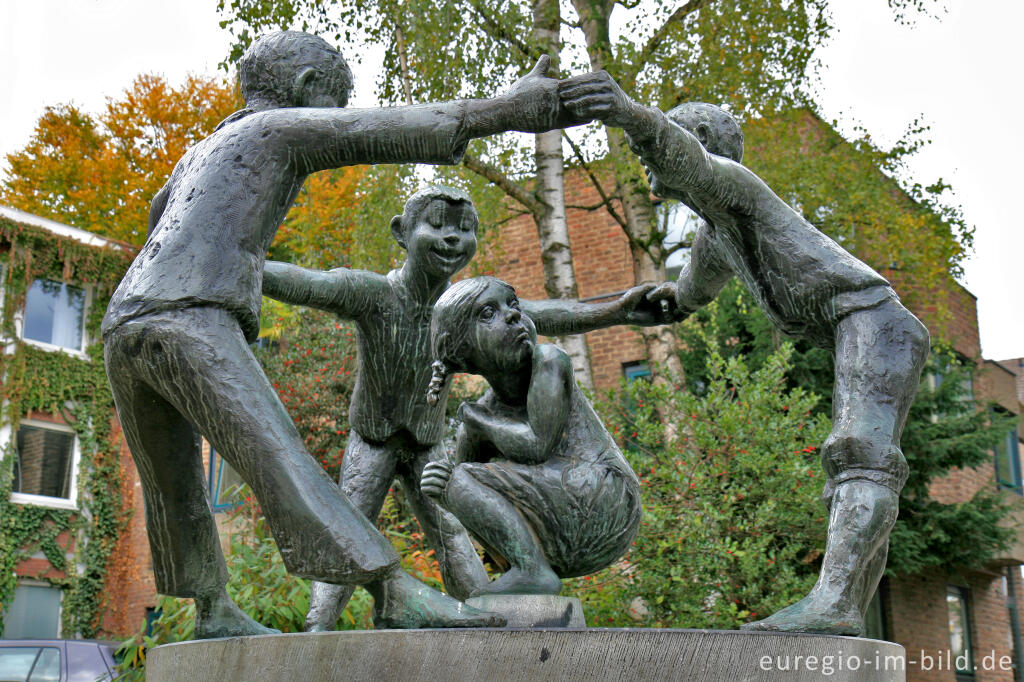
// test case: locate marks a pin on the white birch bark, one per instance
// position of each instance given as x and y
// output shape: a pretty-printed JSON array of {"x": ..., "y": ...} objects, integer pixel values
[{"x": 552, "y": 227}]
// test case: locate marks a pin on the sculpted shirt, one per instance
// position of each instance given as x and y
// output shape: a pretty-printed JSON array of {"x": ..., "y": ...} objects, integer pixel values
[
  {"x": 394, "y": 359},
  {"x": 229, "y": 193},
  {"x": 800, "y": 277}
]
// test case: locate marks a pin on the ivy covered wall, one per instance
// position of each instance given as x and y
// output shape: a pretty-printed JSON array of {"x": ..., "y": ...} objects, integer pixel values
[{"x": 75, "y": 390}]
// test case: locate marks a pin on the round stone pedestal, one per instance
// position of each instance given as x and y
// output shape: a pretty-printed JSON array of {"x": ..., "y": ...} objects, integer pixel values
[
  {"x": 530, "y": 655},
  {"x": 535, "y": 611}
]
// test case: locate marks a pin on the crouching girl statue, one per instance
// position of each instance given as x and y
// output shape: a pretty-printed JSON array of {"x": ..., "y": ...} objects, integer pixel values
[{"x": 535, "y": 476}]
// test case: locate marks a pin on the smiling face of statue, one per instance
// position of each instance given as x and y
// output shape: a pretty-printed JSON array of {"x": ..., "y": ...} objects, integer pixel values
[
  {"x": 502, "y": 339},
  {"x": 441, "y": 239}
]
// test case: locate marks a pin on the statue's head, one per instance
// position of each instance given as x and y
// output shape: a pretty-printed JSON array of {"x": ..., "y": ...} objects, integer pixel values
[
  {"x": 293, "y": 69},
  {"x": 716, "y": 128},
  {"x": 478, "y": 327},
  {"x": 437, "y": 229}
]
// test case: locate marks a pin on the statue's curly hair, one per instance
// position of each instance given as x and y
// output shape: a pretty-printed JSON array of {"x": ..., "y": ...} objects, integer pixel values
[
  {"x": 725, "y": 134},
  {"x": 269, "y": 68}
]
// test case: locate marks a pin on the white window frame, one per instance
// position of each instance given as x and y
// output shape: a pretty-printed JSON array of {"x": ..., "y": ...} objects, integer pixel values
[
  {"x": 7, "y": 435},
  {"x": 19, "y": 324}
]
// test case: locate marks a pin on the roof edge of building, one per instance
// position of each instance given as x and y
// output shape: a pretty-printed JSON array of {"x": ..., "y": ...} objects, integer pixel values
[{"x": 78, "y": 234}]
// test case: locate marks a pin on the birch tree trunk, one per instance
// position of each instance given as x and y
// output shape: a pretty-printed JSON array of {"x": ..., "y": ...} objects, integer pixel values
[
  {"x": 638, "y": 210},
  {"x": 552, "y": 227}
]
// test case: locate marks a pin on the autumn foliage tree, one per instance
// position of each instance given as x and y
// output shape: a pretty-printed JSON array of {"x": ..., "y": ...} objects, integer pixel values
[{"x": 99, "y": 172}]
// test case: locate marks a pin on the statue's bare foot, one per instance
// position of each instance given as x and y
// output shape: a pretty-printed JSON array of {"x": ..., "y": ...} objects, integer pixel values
[
  {"x": 220, "y": 617},
  {"x": 517, "y": 581},
  {"x": 810, "y": 615},
  {"x": 402, "y": 602}
]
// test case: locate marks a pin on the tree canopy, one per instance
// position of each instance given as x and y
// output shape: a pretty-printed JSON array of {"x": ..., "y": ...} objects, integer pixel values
[
  {"x": 99, "y": 172},
  {"x": 755, "y": 59}
]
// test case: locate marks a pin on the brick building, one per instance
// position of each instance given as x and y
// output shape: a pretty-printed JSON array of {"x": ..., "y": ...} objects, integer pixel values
[
  {"x": 920, "y": 611},
  {"x": 54, "y": 468}
]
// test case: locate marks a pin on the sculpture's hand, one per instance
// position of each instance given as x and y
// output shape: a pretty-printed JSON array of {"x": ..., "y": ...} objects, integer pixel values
[
  {"x": 665, "y": 295},
  {"x": 534, "y": 98},
  {"x": 597, "y": 96},
  {"x": 472, "y": 414},
  {"x": 634, "y": 308},
  {"x": 435, "y": 478}
]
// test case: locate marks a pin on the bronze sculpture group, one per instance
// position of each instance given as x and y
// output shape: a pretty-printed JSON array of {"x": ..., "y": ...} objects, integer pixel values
[{"x": 535, "y": 477}]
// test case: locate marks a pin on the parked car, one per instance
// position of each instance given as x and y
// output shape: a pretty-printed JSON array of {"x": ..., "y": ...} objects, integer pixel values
[{"x": 56, "y": 660}]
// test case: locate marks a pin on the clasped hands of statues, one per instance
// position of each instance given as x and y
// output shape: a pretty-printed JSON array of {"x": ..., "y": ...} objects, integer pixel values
[{"x": 581, "y": 99}]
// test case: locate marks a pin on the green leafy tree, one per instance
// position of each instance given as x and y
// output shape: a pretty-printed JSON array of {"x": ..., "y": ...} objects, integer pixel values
[
  {"x": 312, "y": 370},
  {"x": 757, "y": 59},
  {"x": 854, "y": 192},
  {"x": 733, "y": 524},
  {"x": 946, "y": 430}
]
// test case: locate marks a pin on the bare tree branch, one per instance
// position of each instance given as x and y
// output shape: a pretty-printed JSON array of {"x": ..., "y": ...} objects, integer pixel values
[
  {"x": 678, "y": 247},
  {"x": 507, "y": 185},
  {"x": 605, "y": 199},
  {"x": 512, "y": 216},
  {"x": 591, "y": 207},
  {"x": 499, "y": 32},
  {"x": 655, "y": 41}
]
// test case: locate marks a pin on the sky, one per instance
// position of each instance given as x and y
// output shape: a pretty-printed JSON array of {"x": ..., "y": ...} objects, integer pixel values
[{"x": 955, "y": 72}]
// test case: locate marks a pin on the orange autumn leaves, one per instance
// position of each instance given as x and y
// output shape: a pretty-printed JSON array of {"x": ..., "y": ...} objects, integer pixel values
[{"x": 99, "y": 171}]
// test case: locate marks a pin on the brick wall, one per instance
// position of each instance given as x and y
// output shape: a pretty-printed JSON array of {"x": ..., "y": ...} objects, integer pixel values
[
  {"x": 1016, "y": 365},
  {"x": 998, "y": 383},
  {"x": 950, "y": 313},
  {"x": 603, "y": 266},
  {"x": 130, "y": 583},
  {"x": 919, "y": 620}
]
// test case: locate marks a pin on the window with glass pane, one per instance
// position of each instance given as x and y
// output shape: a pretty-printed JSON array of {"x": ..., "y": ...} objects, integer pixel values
[
  {"x": 54, "y": 314},
  {"x": 1008, "y": 473},
  {"x": 16, "y": 661},
  {"x": 224, "y": 483},
  {"x": 874, "y": 618},
  {"x": 45, "y": 463},
  {"x": 678, "y": 223},
  {"x": 34, "y": 613},
  {"x": 47, "y": 667},
  {"x": 636, "y": 370},
  {"x": 959, "y": 629}
]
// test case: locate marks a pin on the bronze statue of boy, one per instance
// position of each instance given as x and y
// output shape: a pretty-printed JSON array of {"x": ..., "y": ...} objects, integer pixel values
[
  {"x": 809, "y": 287},
  {"x": 178, "y": 326}
]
